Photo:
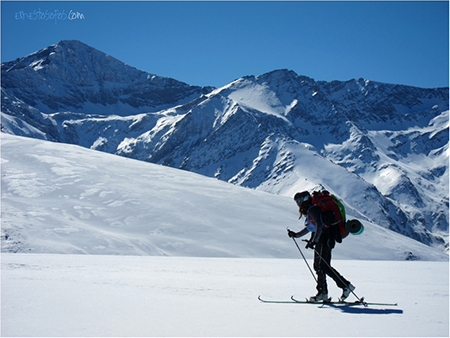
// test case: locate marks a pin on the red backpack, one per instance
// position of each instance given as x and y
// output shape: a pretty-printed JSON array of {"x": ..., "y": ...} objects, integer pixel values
[{"x": 331, "y": 214}]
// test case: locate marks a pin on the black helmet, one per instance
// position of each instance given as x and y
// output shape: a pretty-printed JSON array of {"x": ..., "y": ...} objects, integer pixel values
[{"x": 301, "y": 197}]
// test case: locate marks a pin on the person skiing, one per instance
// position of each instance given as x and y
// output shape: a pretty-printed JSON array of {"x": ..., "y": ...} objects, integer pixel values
[{"x": 323, "y": 241}]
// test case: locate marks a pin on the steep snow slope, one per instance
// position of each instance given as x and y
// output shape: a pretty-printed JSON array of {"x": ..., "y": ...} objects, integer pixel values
[
  {"x": 244, "y": 133},
  {"x": 59, "y": 198},
  {"x": 372, "y": 144}
]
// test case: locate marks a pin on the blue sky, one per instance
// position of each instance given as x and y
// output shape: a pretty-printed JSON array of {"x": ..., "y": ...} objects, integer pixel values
[{"x": 213, "y": 43}]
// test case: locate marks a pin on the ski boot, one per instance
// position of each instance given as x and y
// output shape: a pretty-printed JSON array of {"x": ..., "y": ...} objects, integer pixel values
[
  {"x": 346, "y": 292},
  {"x": 320, "y": 297}
]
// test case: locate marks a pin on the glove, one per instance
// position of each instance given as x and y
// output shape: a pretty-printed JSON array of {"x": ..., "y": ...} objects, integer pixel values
[
  {"x": 310, "y": 245},
  {"x": 291, "y": 233}
]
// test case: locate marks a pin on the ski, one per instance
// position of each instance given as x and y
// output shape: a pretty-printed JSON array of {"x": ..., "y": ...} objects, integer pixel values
[
  {"x": 361, "y": 302},
  {"x": 330, "y": 302},
  {"x": 294, "y": 301},
  {"x": 277, "y": 301}
]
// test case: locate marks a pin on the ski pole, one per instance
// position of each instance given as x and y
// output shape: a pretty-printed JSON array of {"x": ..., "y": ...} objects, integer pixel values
[
  {"x": 359, "y": 299},
  {"x": 312, "y": 273}
]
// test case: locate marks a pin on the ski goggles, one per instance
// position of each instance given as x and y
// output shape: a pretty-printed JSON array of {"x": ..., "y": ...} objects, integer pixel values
[{"x": 302, "y": 199}]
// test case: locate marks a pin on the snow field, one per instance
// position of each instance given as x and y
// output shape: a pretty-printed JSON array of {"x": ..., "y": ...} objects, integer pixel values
[
  {"x": 94, "y": 295},
  {"x": 132, "y": 222},
  {"x": 59, "y": 198}
]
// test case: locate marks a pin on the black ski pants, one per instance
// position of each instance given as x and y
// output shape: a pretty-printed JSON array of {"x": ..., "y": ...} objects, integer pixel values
[{"x": 322, "y": 265}]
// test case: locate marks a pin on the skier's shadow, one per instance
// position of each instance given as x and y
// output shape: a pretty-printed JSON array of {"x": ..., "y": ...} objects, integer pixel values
[{"x": 364, "y": 310}]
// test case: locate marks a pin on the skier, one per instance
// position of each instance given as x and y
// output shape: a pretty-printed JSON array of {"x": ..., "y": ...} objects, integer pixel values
[{"x": 323, "y": 241}]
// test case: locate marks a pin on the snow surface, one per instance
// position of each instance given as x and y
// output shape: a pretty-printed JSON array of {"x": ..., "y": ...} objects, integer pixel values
[
  {"x": 94, "y": 295},
  {"x": 95, "y": 244},
  {"x": 60, "y": 198}
]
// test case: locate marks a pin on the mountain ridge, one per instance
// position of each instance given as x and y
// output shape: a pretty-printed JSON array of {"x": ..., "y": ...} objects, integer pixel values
[
  {"x": 73, "y": 65},
  {"x": 278, "y": 132}
]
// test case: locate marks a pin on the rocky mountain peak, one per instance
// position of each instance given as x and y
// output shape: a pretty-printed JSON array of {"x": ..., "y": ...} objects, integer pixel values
[
  {"x": 380, "y": 147},
  {"x": 72, "y": 75}
]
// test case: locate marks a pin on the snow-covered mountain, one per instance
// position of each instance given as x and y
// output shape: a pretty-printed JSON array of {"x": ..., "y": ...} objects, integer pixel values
[
  {"x": 72, "y": 75},
  {"x": 66, "y": 199},
  {"x": 381, "y": 148}
]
